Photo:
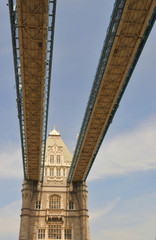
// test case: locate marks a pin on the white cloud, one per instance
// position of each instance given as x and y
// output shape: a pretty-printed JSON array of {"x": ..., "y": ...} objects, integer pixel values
[
  {"x": 10, "y": 219},
  {"x": 10, "y": 161},
  {"x": 128, "y": 152},
  {"x": 131, "y": 219},
  {"x": 96, "y": 215}
]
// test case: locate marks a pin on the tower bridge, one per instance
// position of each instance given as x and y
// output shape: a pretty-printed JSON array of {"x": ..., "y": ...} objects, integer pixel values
[
  {"x": 54, "y": 194},
  {"x": 53, "y": 209}
]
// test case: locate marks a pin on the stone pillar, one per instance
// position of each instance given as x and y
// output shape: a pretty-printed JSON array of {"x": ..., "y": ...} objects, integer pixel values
[
  {"x": 27, "y": 194},
  {"x": 46, "y": 232},
  {"x": 82, "y": 194}
]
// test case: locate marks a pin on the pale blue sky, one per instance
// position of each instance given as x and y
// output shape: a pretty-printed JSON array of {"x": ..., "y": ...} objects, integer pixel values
[{"x": 121, "y": 185}]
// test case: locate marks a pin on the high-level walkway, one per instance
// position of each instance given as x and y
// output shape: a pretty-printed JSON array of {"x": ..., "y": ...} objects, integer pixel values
[
  {"x": 32, "y": 24},
  {"x": 130, "y": 25},
  {"x": 56, "y": 208}
]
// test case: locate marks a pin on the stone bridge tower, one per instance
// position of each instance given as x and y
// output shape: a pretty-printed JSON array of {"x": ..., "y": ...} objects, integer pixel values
[{"x": 54, "y": 209}]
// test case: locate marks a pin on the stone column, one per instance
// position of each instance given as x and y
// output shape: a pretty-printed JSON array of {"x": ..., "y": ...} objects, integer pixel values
[
  {"x": 62, "y": 232},
  {"x": 46, "y": 231},
  {"x": 82, "y": 194},
  {"x": 27, "y": 194}
]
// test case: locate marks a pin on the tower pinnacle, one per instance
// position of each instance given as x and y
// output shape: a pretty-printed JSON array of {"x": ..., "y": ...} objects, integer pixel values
[{"x": 54, "y": 132}]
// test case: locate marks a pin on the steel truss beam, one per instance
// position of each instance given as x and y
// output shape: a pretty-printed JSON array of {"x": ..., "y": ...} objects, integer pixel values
[
  {"x": 51, "y": 12},
  {"x": 82, "y": 159}
]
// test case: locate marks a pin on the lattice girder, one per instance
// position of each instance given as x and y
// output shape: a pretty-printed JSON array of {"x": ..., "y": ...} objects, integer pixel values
[
  {"x": 32, "y": 30},
  {"x": 126, "y": 30},
  {"x": 32, "y": 27}
]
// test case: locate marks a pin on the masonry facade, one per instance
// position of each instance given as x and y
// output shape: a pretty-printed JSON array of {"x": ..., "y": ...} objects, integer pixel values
[{"x": 54, "y": 209}]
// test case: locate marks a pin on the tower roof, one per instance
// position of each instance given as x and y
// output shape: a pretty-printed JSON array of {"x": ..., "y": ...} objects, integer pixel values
[
  {"x": 55, "y": 138},
  {"x": 54, "y": 132}
]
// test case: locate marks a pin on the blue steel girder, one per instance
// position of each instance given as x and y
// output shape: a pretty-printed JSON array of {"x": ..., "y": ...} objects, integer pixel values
[
  {"x": 47, "y": 78},
  {"x": 108, "y": 45},
  {"x": 123, "y": 88}
]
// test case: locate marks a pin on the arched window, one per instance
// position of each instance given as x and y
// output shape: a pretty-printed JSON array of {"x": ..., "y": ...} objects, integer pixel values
[{"x": 55, "y": 202}]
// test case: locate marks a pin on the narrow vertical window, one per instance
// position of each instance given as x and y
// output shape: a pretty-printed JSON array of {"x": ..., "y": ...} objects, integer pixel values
[
  {"x": 67, "y": 234},
  {"x": 71, "y": 205},
  {"x": 41, "y": 233},
  {"x": 52, "y": 172},
  {"x": 58, "y": 172},
  {"x": 51, "y": 158},
  {"x": 58, "y": 159},
  {"x": 45, "y": 173},
  {"x": 64, "y": 172},
  {"x": 38, "y": 205}
]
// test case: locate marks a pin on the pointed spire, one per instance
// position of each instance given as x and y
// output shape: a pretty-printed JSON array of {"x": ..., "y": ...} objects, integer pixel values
[{"x": 54, "y": 132}]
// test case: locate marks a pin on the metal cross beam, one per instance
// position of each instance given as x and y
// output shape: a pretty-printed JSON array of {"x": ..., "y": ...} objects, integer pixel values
[{"x": 123, "y": 45}]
